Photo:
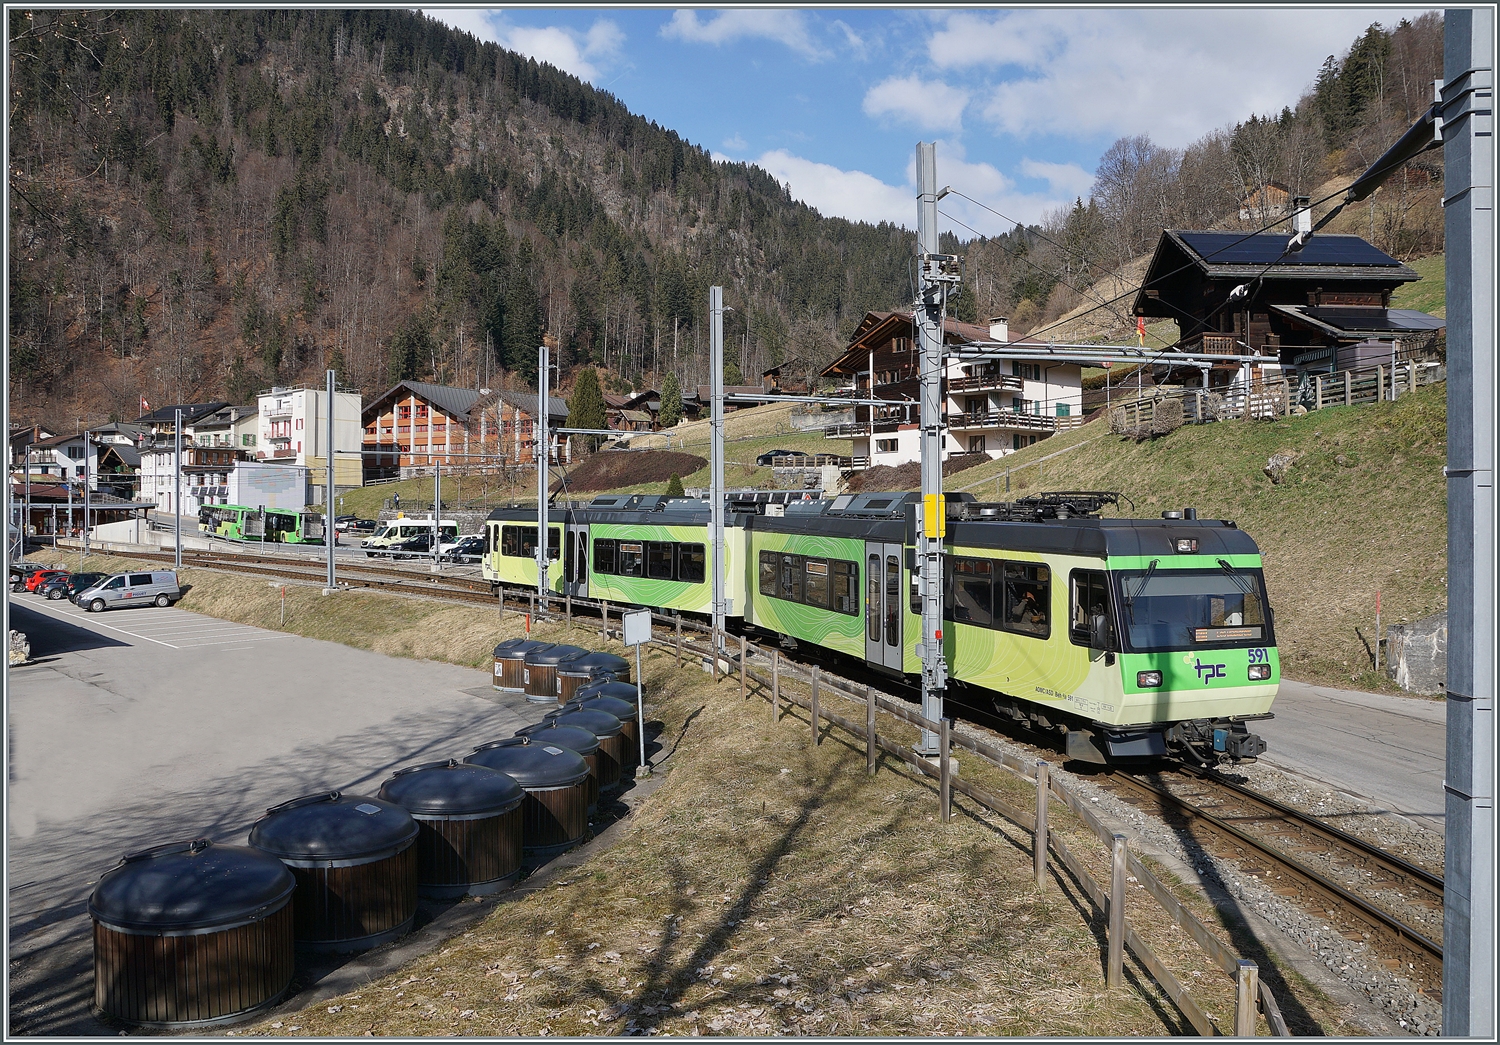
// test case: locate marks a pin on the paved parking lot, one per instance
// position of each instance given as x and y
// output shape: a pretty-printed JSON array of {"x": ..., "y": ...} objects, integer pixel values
[{"x": 141, "y": 726}]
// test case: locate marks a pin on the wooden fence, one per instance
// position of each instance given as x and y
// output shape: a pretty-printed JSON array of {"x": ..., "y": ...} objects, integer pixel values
[{"x": 1251, "y": 993}]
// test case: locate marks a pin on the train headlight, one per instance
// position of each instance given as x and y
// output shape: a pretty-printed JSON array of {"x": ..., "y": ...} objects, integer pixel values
[
  {"x": 1259, "y": 672},
  {"x": 1148, "y": 679}
]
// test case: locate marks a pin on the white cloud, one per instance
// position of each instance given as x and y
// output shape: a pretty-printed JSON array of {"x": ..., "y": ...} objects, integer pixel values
[
  {"x": 930, "y": 104},
  {"x": 782, "y": 26},
  {"x": 846, "y": 194},
  {"x": 1158, "y": 72},
  {"x": 579, "y": 53},
  {"x": 736, "y": 144},
  {"x": 1067, "y": 179}
]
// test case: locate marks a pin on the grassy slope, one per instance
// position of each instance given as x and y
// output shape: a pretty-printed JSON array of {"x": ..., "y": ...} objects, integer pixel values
[
  {"x": 1362, "y": 510},
  {"x": 1429, "y": 294}
]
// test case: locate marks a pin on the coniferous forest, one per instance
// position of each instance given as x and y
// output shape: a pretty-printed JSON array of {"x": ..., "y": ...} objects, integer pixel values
[{"x": 206, "y": 203}]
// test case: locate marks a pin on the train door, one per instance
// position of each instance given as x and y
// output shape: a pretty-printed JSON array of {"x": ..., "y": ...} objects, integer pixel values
[
  {"x": 883, "y": 605},
  {"x": 576, "y": 560}
]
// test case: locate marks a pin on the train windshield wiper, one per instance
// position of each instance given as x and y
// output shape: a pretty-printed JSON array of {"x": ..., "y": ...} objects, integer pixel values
[
  {"x": 1130, "y": 599},
  {"x": 1245, "y": 586}
]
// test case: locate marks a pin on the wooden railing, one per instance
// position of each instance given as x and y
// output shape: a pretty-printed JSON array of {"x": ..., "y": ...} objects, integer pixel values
[
  {"x": 983, "y": 381},
  {"x": 1252, "y": 995}
]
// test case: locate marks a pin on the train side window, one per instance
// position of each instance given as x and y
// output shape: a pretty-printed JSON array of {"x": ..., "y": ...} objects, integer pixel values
[
  {"x": 892, "y": 601},
  {"x": 768, "y": 574},
  {"x": 972, "y": 592},
  {"x": 815, "y": 584},
  {"x": 791, "y": 578},
  {"x": 1027, "y": 595},
  {"x": 846, "y": 588},
  {"x": 1088, "y": 598},
  {"x": 659, "y": 560},
  {"x": 632, "y": 559},
  {"x": 554, "y": 542},
  {"x": 691, "y": 565},
  {"x": 872, "y": 599},
  {"x": 489, "y": 540},
  {"x": 568, "y": 563},
  {"x": 510, "y": 541},
  {"x": 604, "y": 555},
  {"x": 528, "y": 542},
  {"x": 583, "y": 558}
]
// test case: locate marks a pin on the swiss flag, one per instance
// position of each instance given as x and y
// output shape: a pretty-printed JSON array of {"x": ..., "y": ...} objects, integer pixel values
[{"x": 145, "y": 406}]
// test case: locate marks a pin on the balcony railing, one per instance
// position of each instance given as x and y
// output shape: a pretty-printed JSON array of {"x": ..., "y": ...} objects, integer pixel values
[
  {"x": 984, "y": 382},
  {"x": 1007, "y": 419}
]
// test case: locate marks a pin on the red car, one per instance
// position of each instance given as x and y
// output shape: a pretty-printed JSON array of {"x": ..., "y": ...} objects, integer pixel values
[{"x": 41, "y": 577}]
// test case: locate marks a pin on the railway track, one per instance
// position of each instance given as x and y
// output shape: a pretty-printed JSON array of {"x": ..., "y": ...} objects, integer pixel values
[{"x": 1362, "y": 891}]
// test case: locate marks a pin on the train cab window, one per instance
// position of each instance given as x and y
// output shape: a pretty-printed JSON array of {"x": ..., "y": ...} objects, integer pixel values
[
  {"x": 690, "y": 563},
  {"x": 971, "y": 592},
  {"x": 659, "y": 560},
  {"x": 489, "y": 540},
  {"x": 815, "y": 583},
  {"x": 892, "y": 601},
  {"x": 1027, "y": 599},
  {"x": 1088, "y": 598},
  {"x": 631, "y": 560},
  {"x": 791, "y": 578},
  {"x": 604, "y": 555},
  {"x": 768, "y": 574},
  {"x": 846, "y": 587}
]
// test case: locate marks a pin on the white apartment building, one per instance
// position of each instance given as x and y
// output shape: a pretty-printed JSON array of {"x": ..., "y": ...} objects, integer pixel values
[{"x": 293, "y": 424}]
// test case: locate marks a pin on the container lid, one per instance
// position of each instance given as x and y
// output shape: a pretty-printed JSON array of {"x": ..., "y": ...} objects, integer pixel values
[
  {"x": 333, "y": 826},
  {"x": 598, "y": 663},
  {"x": 548, "y": 731},
  {"x": 532, "y": 764},
  {"x": 190, "y": 885},
  {"x": 553, "y": 655},
  {"x": 619, "y": 690},
  {"x": 624, "y": 710},
  {"x": 452, "y": 788},
  {"x": 596, "y": 720},
  {"x": 516, "y": 649}
]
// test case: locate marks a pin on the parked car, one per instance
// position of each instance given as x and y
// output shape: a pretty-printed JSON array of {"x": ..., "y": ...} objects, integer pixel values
[
  {"x": 159, "y": 588},
  {"x": 764, "y": 460},
  {"x": 361, "y": 526},
  {"x": 67, "y": 587},
  {"x": 411, "y": 547},
  {"x": 20, "y": 572},
  {"x": 469, "y": 548},
  {"x": 36, "y": 580}
]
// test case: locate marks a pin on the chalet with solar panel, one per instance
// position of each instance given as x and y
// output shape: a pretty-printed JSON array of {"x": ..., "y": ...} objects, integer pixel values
[{"x": 1323, "y": 308}]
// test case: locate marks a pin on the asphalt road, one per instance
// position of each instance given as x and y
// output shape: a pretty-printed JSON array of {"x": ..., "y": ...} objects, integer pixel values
[
  {"x": 142, "y": 726},
  {"x": 1386, "y": 748}
]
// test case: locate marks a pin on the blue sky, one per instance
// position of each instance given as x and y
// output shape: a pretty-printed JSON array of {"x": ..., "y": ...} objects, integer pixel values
[{"x": 1021, "y": 101}]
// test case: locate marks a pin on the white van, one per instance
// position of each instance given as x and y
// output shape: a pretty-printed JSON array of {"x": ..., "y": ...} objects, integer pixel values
[
  {"x": 157, "y": 588},
  {"x": 403, "y": 529}
]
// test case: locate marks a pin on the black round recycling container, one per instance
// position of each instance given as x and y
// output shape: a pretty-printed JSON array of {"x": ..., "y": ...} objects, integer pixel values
[
  {"x": 355, "y": 861},
  {"x": 192, "y": 933},
  {"x": 579, "y": 740},
  {"x": 625, "y": 711},
  {"x": 607, "y": 730},
  {"x": 554, "y": 816},
  {"x": 599, "y": 664},
  {"x": 576, "y": 672},
  {"x": 510, "y": 663},
  {"x": 541, "y": 672},
  {"x": 468, "y": 822}
]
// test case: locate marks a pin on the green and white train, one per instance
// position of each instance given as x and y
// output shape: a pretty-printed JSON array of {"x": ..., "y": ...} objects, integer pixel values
[{"x": 1129, "y": 638}]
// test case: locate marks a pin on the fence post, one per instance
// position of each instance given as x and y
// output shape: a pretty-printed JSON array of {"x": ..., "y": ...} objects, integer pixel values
[
  {"x": 1349, "y": 388},
  {"x": 1318, "y": 384},
  {"x": 1115, "y": 973},
  {"x": 603, "y": 619},
  {"x": 775, "y": 685},
  {"x": 1246, "y": 987},
  {"x": 816, "y": 676},
  {"x": 870, "y": 730},
  {"x": 1039, "y": 837},
  {"x": 945, "y": 773},
  {"x": 1286, "y": 398},
  {"x": 568, "y": 605},
  {"x": 532, "y": 596},
  {"x": 743, "y": 646},
  {"x": 1380, "y": 384}
]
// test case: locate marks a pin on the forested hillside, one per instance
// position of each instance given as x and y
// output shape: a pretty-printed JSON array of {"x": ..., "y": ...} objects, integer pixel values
[{"x": 207, "y": 202}]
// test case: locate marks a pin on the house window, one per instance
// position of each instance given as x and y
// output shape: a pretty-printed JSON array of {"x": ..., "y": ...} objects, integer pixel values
[
  {"x": 885, "y": 446},
  {"x": 1063, "y": 410},
  {"x": 75, "y": 452},
  {"x": 976, "y": 444},
  {"x": 1028, "y": 371},
  {"x": 406, "y": 413},
  {"x": 422, "y": 411}
]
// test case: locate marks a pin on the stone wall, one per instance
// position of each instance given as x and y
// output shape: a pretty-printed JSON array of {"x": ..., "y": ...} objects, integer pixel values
[{"x": 1417, "y": 654}]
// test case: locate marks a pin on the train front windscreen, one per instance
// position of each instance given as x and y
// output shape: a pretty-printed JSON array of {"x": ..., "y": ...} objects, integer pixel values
[{"x": 1163, "y": 610}]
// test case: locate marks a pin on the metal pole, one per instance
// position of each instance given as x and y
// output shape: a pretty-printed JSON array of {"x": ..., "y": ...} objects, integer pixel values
[
  {"x": 437, "y": 512},
  {"x": 1039, "y": 837},
  {"x": 330, "y": 536},
  {"x": 870, "y": 730},
  {"x": 177, "y": 491},
  {"x": 543, "y": 481},
  {"x": 1468, "y": 218},
  {"x": 945, "y": 773},
  {"x": 743, "y": 654},
  {"x": 716, "y": 455},
  {"x": 1115, "y": 970},
  {"x": 85, "y": 500},
  {"x": 640, "y": 713},
  {"x": 929, "y": 321}
]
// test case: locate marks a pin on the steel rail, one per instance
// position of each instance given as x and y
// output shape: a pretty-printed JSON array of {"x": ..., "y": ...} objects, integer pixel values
[{"x": 1407, "y": 936}]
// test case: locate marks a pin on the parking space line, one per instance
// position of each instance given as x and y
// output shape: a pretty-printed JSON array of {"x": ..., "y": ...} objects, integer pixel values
[{"x": 123, "y": 631}]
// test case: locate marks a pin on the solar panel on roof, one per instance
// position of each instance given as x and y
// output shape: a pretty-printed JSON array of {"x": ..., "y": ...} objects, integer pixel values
[
  {"x": 1374, "y": 319},
  {"x": 1232, "y": 248}
]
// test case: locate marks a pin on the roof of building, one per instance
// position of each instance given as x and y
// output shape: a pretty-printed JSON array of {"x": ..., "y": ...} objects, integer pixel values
[
  {"x": 458, "y": 402},
  {"x": 1354, "y": 323},
  {"x": 878, "y": 327},
  {"x": 191, "y": 412}
]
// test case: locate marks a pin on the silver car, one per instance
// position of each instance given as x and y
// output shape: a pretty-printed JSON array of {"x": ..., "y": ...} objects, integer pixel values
[{"x": 158, "y": 588}]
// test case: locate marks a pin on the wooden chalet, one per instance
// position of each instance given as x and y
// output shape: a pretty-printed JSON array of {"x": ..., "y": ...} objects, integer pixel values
[
  {"x": 637, "y": 412},
  {"x": 1325, "y": 307}
]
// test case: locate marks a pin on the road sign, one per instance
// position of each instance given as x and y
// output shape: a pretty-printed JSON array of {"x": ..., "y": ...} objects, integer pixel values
[
  {"x": 636, "y": 627},
  {"x": 635, "y": 630}
]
